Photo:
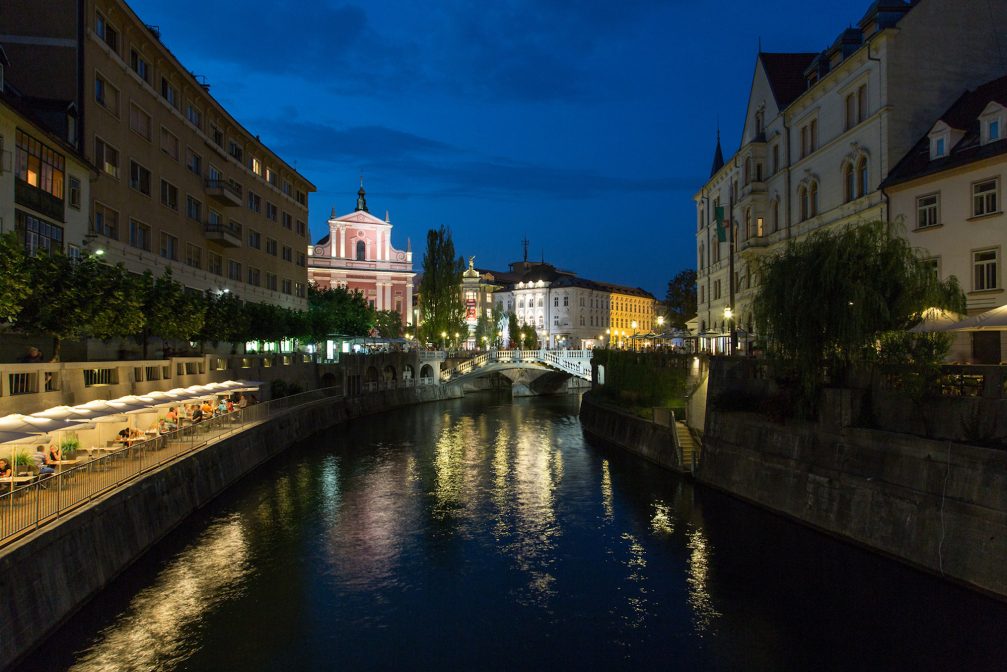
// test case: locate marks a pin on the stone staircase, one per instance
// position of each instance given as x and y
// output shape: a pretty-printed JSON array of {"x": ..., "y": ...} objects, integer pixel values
[{"x": 687, "y": 445}]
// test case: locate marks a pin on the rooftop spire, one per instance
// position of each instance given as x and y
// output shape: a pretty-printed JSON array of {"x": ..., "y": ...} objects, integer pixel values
[
  {"x": 718, "y": 155},
  {"x": 387, "y": 218},
  {"x": 361, "y": 197},
  {"x": 525, "y": 242}
]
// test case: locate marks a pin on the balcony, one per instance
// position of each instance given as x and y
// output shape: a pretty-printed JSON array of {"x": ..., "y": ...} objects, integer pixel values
[
  {"x": 753, "y": 243},
  {"x": 224, "y": 192},
  {"x": 225, "y": 235}
]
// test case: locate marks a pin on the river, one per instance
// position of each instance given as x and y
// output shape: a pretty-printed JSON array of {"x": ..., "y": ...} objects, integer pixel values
[{"x": 486, "y": 534}]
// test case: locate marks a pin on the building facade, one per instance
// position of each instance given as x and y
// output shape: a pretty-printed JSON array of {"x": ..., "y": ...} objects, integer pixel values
[
  {"x": 821, "y": 132},
  {"x": 182, "y": 184},
  {"x": 357, "y": 254},
  {"x": 45, "y": 185},
  {"x": 948, "y": 195}
]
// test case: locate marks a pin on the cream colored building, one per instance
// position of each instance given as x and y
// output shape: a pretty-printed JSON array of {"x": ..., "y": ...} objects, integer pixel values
[
  {"x": 45, "y": 185},
  {"x": 948, "y": 193},
  {"x": 822, "y": 130},
  {"x": 182, "y": 184}
]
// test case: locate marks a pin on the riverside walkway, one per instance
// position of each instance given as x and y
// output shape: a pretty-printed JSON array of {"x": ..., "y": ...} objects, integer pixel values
[{"x": 27, "y": 506}]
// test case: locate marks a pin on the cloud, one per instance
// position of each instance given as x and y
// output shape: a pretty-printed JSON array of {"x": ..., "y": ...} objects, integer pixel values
[{"x": 321, "y": 143}]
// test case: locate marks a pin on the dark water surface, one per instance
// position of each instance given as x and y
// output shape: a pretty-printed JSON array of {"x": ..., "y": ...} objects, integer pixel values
[{"x": 482, "y": 534}]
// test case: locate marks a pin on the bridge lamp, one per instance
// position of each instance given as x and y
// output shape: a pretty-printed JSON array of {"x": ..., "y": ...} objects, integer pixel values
[{"x": 444, "y": 337}]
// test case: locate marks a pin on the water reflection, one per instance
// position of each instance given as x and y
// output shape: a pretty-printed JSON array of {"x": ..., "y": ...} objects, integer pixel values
[
  {"x": 156, "y": 631},
  {"x": 606, "y": 490},
  {"x": 704, "y": 613},
  {"x": 662, "y": 522}
]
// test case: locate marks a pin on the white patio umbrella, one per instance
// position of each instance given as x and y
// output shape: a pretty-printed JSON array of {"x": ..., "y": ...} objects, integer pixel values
[
  {"x": 935, "y": 320},
  {"x": 991, "y": 320}
]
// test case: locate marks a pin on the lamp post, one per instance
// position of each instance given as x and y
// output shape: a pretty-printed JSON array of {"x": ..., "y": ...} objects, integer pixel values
[
  {"x": 457, "y": 344},
  {"x": 608, "y": 332},
  {"x": 660, "y": 326},
  {"x": 444, "y": 339},
  {"x": 634, "y": 324},
  {"x": 729, "y": 316},
  {"x": 521, "y": 344},
  {"x": 499, "y": 338}
]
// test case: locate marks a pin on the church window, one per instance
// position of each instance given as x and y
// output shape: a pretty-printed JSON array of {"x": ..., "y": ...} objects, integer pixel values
[{"x": 361, "y": 251}]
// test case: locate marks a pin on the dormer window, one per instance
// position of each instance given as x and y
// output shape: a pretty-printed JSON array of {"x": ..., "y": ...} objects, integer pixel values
[
  {"x": 938, "y": 147},
  {"x": 993, "y": 130},
  {"x": 991, "y": 123}
]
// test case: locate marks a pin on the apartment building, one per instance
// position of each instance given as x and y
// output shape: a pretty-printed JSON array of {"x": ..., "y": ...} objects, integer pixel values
[
  {"x": 45, "y": 184},
  {"x": 821, "y": 132},
  {"x": 182, "y": 184},
  {"x": 948, "y": 194}
]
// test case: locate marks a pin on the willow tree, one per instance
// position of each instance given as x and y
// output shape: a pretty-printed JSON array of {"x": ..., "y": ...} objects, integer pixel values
[
  {"x": 15, "y": 286},
  {"x": 440, "y": 289},
  {"x": 829, "y": 300}
]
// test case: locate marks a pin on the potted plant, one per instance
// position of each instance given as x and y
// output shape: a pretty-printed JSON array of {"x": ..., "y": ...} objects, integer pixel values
[
  {"x": 22, "y": 461},
  {"x": 68, "y": 446}
]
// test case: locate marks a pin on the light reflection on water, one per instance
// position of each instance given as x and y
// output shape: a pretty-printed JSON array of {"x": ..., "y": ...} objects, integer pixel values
[
  {"x": 469, "y": 536},
  {"x": 157, "y": 629}
]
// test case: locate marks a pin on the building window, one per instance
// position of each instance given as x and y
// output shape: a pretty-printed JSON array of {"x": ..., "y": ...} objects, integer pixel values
[
  {"x": 851, "y": 111},
  {"x": 216, "y": 221},
  {"x": 776, "y": 216},
  {"x": 301, "y": 259},
  {"x": 37, "y": 235},
  {"x": 169, "y": 143},
  {"x": 287, "y": 188},
  {"x": 108, "y": 34},
  {"x": 271, "y": 246},
  {"x": 271, "y": 177},
  {"x": 169, "y": 195},
  {"x": 169, "y": 93},
  {"x": 748, "y": 223},
  {"x": 193, "y": 255},
  {"x": 106, "y": 221},
  {"x": 139, "y": 121},
  {"x": 270, "y": 211},
  {"x": 938, "y": 147},
  {"x": 301, "y": 229},
  {"x": 214, "y": 263},
  {"x": 254, "y": 202},
  {"x": 849, "y": 183},
  {"x": 813, "y": 198},
  {"x": 106, "y": 157},
  {"x": 287, "y": 286},
  {"x": 193, "y": 162},
  {"x": 984, "y": 265},
  {"x": 106, "y": 95},
  {"x": 271, "y": 281},
  {"x": 809, "y": 137},
  {"x": 985, "y": 197},
  {"x": 862, "y": 176},
  {"x": 934, "y": 266},
  {"x": 257, "y": 166},
  {"x": 361, "y": 251},
  {"x": 139, "y": 65},
  {"x": 993, "y": 130},
  {"x": 139, "y": 235},
  {"x": 254, "y": 239},
  {"x": 288, "y": 253},
  {"x": 233, "y": 270},
  {"x": 74, "y": 188},
  {"x": 193, "y": 114},
  {"x": 193, "y": 208},
  {"x": 861, "y": 103},
  {"x": 287, "y": 220},
  {"x": 802, "y": 197},
  {"x": 253, "y": 276},
  {"x": 555, "y": 302},
  {"x": 235, "y": 150},
  {"x": 747, "y": 175},
  {"x": 302, "y": 198},
  {"x": 169, "y": 246},
  {"x": 139, "y": 178},
  {"x": 927, "y": 211},
  {"x": 299, "y": 290},
  {"x": 40, "y": 167},
  {"x": 566, "y": 301},
  {"x": 217, "y": 135}
]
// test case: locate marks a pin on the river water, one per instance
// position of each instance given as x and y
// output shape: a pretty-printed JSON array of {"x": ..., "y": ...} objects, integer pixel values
[{"x": 486, "y": 534}]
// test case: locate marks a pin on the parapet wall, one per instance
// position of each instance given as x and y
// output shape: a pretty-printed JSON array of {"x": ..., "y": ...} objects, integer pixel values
[
  {"x": 48, "y": 575},
  {"x": 939, "y": 505}
]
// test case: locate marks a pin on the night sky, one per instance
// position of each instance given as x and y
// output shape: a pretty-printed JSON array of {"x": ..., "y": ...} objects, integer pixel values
[{"x": 585, "y": 125}]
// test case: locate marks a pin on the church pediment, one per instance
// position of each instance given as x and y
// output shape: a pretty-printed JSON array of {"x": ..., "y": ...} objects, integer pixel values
[{"x": 359, "y": 217}]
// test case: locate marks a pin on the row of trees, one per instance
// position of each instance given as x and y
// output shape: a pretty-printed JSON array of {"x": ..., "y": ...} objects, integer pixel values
[{"x": 61, "y": 298}]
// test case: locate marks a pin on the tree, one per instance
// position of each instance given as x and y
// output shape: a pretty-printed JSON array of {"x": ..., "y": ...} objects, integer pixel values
[
  {"x": 337, "y": 311},
  {"x": 513, "y": 331},
  {"x": 829, "y": 299},
  {"x": 388, "y": 323},
  {"x": 74, "y": 299},
  {"x": 680, "y": 300},
  {"x": 224, "y": 318},
  {"x": 170, "y": 312},
  {"x": 440, "y": 289},
  {"x": 485, "y": 330},
  {"x": 15, "y": 285}
]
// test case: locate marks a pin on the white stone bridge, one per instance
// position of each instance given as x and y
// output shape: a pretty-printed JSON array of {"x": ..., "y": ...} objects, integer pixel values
[{"x": 547, "y": 369}]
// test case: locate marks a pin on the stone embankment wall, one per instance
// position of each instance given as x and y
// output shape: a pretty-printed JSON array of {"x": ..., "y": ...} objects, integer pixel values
[
  {"x": 630, "y": 432},
  {"x": 49, "y": 574},
  {"x": 939, "y": 505}
]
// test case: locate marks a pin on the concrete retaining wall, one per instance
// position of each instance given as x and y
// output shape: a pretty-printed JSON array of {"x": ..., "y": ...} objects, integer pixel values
[
  {"x": 47, "y": 576},
  {"x": 640, "y": 437},
  {"x": 938, "y": 505}
]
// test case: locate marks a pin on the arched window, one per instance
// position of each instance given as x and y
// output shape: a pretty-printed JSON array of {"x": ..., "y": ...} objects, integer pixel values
[
  {"x": 776, "y": 216},
  {"x": 802, "y": 196},
  {"x": 862, "y": 175},
  {"x": 702, "y": 251},
  {"x": 849, "y": 186},
  {"x": 748, "y": 223},
  {"x": 361, "y": 251},
  {"x": 813, "y": 199}
]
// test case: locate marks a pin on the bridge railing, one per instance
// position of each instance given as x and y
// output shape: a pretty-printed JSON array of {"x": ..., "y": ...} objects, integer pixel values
[{"x": 574, "y": 362}]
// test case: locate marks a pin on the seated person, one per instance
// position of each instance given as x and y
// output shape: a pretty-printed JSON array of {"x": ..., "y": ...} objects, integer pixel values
[
  {"x": 207, "y": 410},
  {"x": 222, "y": 407},
  {"x": 171, "y": 416},
  {"x": 41, "y": 462},
  {"x": 123, "y": 435},
  {"x": 5, "y": 469},
  {"x": 197, "y": 414},
  {"x": 55, "y": 454}
]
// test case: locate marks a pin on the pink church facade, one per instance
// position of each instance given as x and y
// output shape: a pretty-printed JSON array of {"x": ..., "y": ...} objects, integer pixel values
[{"x": 358, "y": 254}]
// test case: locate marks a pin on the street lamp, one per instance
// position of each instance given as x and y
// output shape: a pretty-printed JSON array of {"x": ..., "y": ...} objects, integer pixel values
[
  {"x": 456, "y": 340},
  {"x": 634, "y": 325},
  {"x": 729, "y": 315},
  {"x": 520, "y": 346},
  {"x": 444, "y": 339}
]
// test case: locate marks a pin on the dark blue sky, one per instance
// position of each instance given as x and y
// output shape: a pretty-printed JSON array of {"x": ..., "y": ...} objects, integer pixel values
[{"x": 586, "y": 125}]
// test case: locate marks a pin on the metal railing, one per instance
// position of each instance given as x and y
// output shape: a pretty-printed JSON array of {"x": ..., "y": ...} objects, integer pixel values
[{"x": 29, "y": 502}]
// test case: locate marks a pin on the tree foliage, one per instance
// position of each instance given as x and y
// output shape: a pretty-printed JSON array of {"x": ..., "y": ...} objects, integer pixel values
[
  {"x": 440, "y": 289},
  {"x": 827, "y": 300},
  {"x": 388, "y": 323},
  {"x": 169, "y": 311},
  {"x": 15, "y": 284},
  {"x": 337, "y": 311},
  {"x": 224, "y": 318},
  {"x": 513, "y": 331},
  {"x": 680, "y": 299}
]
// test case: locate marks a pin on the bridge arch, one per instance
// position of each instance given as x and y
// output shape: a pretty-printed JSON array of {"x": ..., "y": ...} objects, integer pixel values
[
  {"x": 408, "y": 372},
  {"x": 371, "y": 375},
  {"x": 426, "y": 372},
  {"x": 329, "y": 380},
  {"x": 388, "y": 373}
]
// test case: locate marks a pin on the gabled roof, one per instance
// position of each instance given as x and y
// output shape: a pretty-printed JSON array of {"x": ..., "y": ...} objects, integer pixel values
[
  {"x": 360, "y": 217},
  {"x": 786, "y": 75},
  {"x": 962, "y": 115}
]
